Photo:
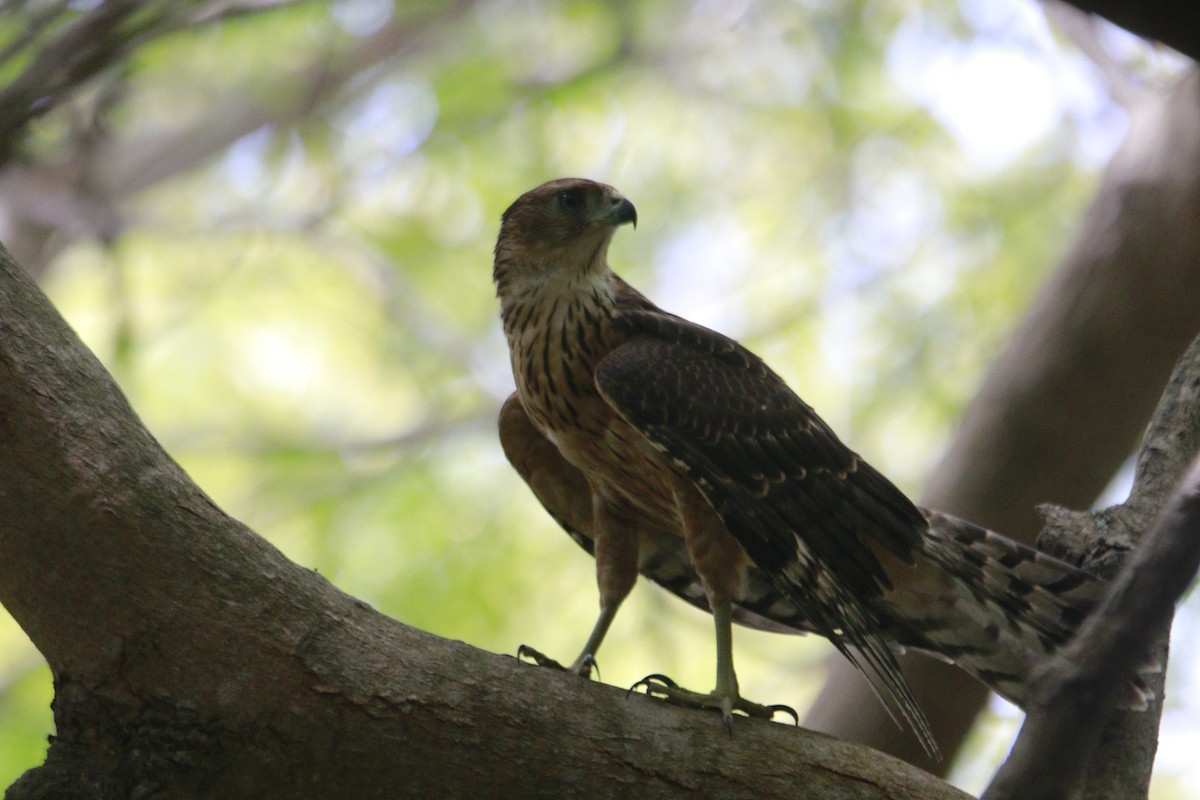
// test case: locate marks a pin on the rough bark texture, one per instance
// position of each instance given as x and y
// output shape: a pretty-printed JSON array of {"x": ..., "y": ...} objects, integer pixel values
[
  {"x": 191, "y": 658},
  {"x": 1121, "y": 764},
  {"x": 1063, "y": 404}
]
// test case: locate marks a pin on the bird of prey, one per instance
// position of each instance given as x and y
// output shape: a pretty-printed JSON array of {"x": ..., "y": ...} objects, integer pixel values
[{"x": 668, "y": 449}]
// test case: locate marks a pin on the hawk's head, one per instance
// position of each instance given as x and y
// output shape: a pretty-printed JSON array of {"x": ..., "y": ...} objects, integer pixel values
[{"x": 561, "y": 228}]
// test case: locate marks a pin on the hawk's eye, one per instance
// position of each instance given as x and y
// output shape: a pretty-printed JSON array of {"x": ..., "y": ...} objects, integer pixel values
[{"x": 570, "y": 200}]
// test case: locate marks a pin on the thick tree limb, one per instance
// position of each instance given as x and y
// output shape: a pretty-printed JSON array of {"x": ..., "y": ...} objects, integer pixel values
[
  {"x": 191, "y": 658},
  {"x": 1063, "y": 404}
]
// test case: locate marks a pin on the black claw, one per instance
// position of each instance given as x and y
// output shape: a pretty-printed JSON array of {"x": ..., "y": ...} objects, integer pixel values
[
  {"x": 786, "y": 710},
  {"x": 589, "y": 664},
  {"x": 657, "y": 678},
  {"x": 649, "y": 681},
  {"x": 728, "y": 718},
  {"x": 525, "y": 651}
]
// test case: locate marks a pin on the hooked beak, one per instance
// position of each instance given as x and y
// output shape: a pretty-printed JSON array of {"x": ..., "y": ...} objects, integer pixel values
[{"x": 622, "y": 211}]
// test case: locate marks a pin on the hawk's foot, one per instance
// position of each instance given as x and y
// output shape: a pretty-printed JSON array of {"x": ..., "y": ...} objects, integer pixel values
[
  {"x": 583, "y": 665},
  {"x": 725, "y": 701}
]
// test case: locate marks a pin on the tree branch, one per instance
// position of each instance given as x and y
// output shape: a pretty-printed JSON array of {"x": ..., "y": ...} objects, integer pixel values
[{"x": 88, "y": 45}]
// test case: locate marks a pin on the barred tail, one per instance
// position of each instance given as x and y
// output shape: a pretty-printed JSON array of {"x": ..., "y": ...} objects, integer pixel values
[{"x": 996, "y": 608}]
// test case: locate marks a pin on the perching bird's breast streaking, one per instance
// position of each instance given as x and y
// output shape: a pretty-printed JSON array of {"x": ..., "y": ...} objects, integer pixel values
[{"x": 668, "y": 449}]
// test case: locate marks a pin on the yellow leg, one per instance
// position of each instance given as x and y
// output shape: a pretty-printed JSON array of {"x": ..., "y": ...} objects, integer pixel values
[
  {"x": 615, "y": 544},
  {"x": 727, "y": 686},
  {"x": 586, "y": 661},
  {"x": 587, "y": 657},
  {"x": 725, "y": 696}
]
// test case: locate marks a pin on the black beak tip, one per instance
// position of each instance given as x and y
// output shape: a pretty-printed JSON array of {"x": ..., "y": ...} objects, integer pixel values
[{"x": 625, "y": 212}]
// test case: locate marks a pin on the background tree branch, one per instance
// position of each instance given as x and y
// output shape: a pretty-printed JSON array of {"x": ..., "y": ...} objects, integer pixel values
[
  {"x": 84, "y": 192},
  {"x": 69, "y": 50}
]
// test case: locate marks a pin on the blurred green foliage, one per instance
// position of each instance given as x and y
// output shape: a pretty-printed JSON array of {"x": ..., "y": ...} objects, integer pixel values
[{"x": 305, "y": 317}]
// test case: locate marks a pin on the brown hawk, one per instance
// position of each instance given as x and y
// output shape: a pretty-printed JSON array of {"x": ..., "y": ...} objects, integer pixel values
[{"x": 668, "y": 449}]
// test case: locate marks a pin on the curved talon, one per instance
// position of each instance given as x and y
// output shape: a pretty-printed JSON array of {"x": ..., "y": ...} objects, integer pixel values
[
  {"x": 650, "y": 681},
  {"x": 585, "y": 665},
  {"x": 779, "y": 707},
  {"x": 661, "y": 679},
  {"x": 525, "y": 651},
  {"x": 757, "y": 711}
]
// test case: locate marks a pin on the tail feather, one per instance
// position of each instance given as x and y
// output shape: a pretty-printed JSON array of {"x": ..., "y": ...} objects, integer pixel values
[{"x": 996, "y": 608}]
